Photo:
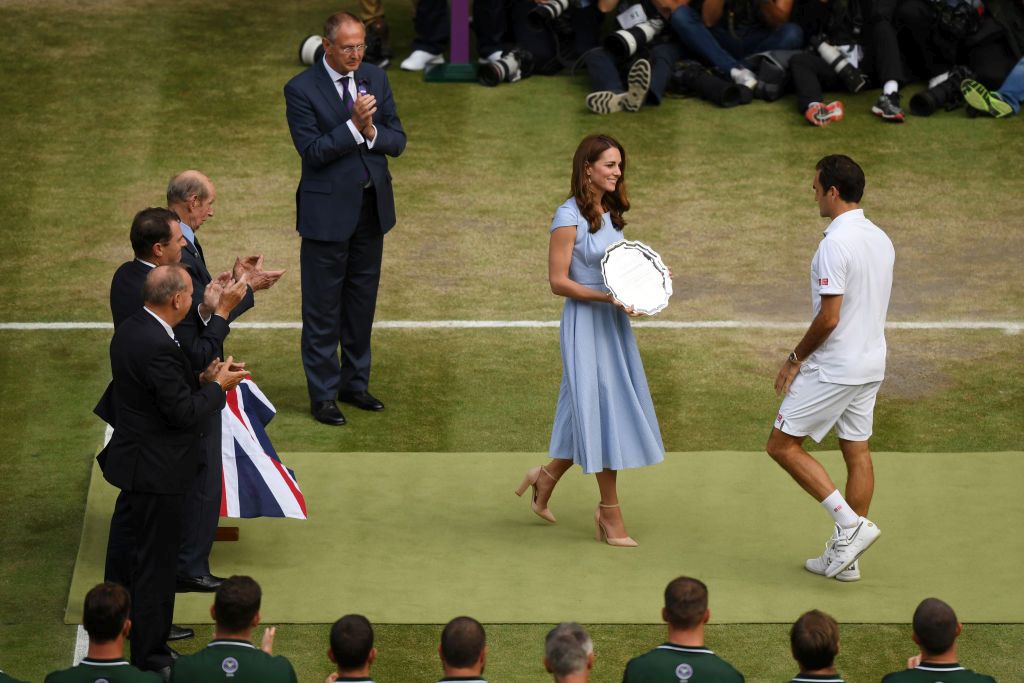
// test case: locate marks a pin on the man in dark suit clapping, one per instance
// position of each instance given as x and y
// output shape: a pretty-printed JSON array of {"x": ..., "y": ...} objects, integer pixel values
[
  {"x": 161, "y": 405},
  {"x": 343, "y": 123}
]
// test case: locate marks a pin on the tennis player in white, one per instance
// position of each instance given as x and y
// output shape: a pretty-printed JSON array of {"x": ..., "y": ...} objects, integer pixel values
[{"x": 833, "y": 374}]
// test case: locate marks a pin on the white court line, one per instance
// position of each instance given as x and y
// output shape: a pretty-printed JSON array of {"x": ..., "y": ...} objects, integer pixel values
[
  {"x": 1008, "y": 326},
  {"x": 81, "y": 646}
]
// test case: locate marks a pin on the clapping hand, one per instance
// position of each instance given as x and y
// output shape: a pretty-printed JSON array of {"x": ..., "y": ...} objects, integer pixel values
[
  {"x": 363, "y": 110},
  {"x": 267, "y": 643},
  {"x": 255, "y": 276}
]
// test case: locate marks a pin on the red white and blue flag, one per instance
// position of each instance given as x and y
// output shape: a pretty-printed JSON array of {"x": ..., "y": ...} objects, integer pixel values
[{"x": 255, "y": 483}]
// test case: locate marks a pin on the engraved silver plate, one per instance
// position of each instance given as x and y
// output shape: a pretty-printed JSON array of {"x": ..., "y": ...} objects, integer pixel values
[{"x": 635, "y": 275}]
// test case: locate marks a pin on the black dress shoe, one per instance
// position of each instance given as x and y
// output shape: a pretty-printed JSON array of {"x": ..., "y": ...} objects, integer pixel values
[
  {"x": 327, "y": 412},
  {"x": 361, "y": 399},
  {"x": 180, "y": 633},
  {"x": 198, "y": 584},
  {"x": 164, "y": 674}
]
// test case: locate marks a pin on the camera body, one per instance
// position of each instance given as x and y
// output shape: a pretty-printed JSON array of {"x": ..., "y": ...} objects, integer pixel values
[
  {"x": 513, "y": 65},
  {"x": 624, "y": 43},
  {"x": 946, "y": 94},
  {"x": 853, "y": 78}
]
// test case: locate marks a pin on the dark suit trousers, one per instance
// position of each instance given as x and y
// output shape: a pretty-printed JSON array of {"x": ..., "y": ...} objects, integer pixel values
[
  {"x": 120, "y": 543},
  {"x": 156, "y": 526},
  {"x": 339, "y": 297},
  {"x": 202, "y": 505}
]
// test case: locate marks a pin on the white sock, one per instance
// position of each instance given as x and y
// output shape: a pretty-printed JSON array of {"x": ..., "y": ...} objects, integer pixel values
[
  {"x": 890, "y": 87},
  {"x": 743, "y": 76},
  {"x": 840, "y": 510},
  {"x": 937, "y": 80}
]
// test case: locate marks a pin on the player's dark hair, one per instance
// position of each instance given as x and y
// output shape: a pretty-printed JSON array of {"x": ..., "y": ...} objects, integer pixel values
[
  {"x": 814, "y": 640},
  {"x": 686, "y": 600},
  {"x": 935, "y": 625},
  {"x": 843, "y": 173},
  {"x": 462, "y": 641},
  {"x": 351, "y": 641},
  {"x": 150, "y": 226},
  {"x": 106, "y": 609},
  {"x": 236, "y": 603}
]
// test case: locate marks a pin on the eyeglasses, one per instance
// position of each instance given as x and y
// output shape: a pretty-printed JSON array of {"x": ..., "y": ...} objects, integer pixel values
[{"x": 352, "y": 49}]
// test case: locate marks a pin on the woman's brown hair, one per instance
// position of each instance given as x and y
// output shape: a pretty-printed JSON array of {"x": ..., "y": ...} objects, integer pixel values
[{"x": 617, "y": 202}]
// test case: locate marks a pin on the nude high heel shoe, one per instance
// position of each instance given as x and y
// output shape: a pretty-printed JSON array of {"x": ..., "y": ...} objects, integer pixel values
[
  {"x": 601, "y": 535},
  {"x": 530, "y": 480}
]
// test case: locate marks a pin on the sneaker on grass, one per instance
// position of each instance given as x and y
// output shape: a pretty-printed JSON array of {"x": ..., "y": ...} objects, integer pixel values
[
  {"x": 606, "y": 102},
  {"x": 639, "y": 81},
  {"x": 851, "y": 544},
  {"x": 819, "y": 565},
  {"x": 888, "y": 108},
  {"x": 982, "y": 99},
  {"x": 823, "y": 114},
  {"x": 420, "y": 60}
]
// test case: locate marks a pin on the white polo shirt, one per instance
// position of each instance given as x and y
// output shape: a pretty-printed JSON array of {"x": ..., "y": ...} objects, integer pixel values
[{"x": 854, "y": 259}]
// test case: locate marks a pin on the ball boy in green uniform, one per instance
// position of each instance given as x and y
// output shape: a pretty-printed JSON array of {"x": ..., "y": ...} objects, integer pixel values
[
  {"x": 936, "y": 629},
  {"x": 105, "y": 619},
  {"x": 231, "y": 656},
  {"x": 814, "y": 642},
  {"x": 683, "y": 659}
]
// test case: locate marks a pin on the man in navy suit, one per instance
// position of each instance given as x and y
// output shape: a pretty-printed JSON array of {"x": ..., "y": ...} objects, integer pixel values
[
  {"x": 343, "y": 123},
  {"x": 161, "y": 404}
]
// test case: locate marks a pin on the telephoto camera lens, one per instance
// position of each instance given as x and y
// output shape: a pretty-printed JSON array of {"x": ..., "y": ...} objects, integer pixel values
[
  {"x": 544, "y": 12},
  {"x": 513, "y": 65},
  {"x": 852, "y": 77},
  {"x": 946, "y": 94},
  {"x": 624, "y": 43},
  {"x": 311, "y": 50}
]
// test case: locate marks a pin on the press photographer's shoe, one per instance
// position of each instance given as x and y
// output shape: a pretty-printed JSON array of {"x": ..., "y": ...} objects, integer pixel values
[
  {"x": 639, "y": 80},
  {"x": 420, "y": 60},
  {"x": 982, "y": 99},
  {"x": 888, "y": 108},
  {"x": 378, "y": 47},
  {"x": 823, "y": 114},
  {"x": 606, "y": 102}
]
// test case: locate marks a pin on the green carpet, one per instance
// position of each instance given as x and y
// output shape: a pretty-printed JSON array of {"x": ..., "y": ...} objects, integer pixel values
[{"x": 423, "y": 537}]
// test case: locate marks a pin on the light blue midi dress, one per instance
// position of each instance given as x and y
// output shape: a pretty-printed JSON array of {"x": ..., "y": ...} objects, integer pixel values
[{"x": 605, "y": 417}]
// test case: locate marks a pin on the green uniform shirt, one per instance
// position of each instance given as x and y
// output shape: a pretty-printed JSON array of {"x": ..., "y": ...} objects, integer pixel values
[
  {"x": 232, "y": 660},
  {"x": 817, "y": 678},
  {"x": 928, "y": 672},
  {"x": 103, "y": 671},
  {"x": 4, "y": 678},
  {"x": 670, "y": 663}
]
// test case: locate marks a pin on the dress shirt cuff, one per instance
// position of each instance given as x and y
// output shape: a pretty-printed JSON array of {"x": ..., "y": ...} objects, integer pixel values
[
  {"x": 355, "y": 132},
  {"x": 206, "y": 320},
  {"x": 371, "y": 141}
]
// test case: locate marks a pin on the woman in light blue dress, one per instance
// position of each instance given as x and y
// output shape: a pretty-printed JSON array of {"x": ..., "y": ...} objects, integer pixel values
[{"x": 605, "y": 419}]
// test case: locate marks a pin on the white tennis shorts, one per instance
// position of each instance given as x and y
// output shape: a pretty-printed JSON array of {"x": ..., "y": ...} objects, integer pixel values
[{"x": 812, "y": 406}]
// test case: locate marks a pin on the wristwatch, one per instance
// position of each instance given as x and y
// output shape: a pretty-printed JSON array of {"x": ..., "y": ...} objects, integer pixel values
[{"x": 793, "y": 359}]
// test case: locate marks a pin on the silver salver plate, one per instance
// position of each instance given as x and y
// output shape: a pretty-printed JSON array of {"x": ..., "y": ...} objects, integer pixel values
[{"x": 636, "y": 276}]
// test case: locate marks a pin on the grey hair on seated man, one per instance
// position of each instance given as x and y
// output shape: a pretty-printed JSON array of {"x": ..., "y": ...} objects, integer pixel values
[{"x": 569, "y": 653}]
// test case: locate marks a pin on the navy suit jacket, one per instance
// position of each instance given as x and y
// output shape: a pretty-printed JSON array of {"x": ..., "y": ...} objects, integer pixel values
[
  {"x": 330, "y": 192},
  {"x": 160, "y": 408}
]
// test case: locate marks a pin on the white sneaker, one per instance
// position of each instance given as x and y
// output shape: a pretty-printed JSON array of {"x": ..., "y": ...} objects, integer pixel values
[
  {"x": 490, "y": 59},
  {"x": 420, "y": 60},
  {"x": 851, "y": 544},
  {"x": 606, "y": 102},
  {"x": 819, "y": 565},
  {"x": 639, "y": 81}
]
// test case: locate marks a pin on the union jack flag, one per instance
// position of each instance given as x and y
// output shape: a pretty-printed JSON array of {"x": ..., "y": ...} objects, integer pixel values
[{"x": 254, "y": 483}]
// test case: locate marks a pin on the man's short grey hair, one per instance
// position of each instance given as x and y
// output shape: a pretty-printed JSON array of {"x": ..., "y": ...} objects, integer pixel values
[
  {"x": 336, "y": 20},
  {"x": 186, "y": 184},
  {"x": 162, "y": 283},
  {"x": 567, "y": 648}
]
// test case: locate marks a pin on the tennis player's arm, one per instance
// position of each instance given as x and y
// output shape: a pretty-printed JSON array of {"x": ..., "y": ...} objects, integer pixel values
[{"x": 821, "y": 327}]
